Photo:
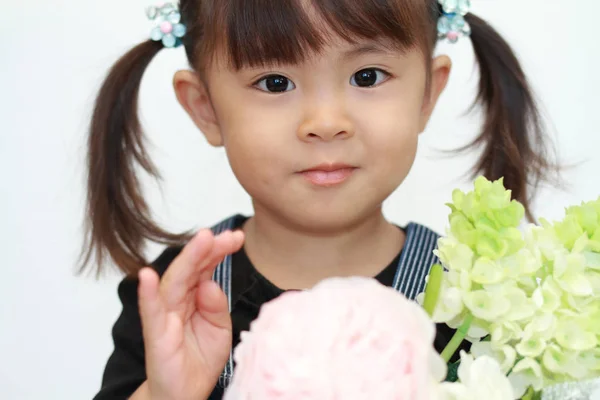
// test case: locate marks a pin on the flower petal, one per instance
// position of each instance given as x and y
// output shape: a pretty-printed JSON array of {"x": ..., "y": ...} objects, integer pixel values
[
  {"x": 169, "y": 40},
  {"x": 486, "y": 305},
  {"x": 179, "y": 30},
  {"x": 526, "y": 373},
  {"x": 486, "y": 271},
  {"x": 156, "y": 34}
]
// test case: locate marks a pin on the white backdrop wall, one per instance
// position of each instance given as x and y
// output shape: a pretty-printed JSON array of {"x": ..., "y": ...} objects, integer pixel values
[{"x": 55, "y": 326}]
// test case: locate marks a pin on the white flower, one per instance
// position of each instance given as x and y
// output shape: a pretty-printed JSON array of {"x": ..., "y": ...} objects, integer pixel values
[
  {"x": 505, "y": 355},
  {"x": 526, "y": 373},
  {"x": 480, "y": 378}
]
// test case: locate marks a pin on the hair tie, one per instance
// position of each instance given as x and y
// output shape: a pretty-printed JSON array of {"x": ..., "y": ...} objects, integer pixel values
[
  {"x": 452, "y": 24},
  {"x": 168, "y": 27}
]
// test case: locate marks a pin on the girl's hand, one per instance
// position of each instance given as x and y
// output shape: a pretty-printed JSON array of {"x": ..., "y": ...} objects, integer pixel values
[{"x": 185, "y": 320}]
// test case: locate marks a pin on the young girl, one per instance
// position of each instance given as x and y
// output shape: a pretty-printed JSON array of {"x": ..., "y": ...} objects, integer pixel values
[{"x": 319, "y": 106}]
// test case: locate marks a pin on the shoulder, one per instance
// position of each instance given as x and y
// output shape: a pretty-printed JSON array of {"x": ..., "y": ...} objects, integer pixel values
[
  {"x": 421, "y": 236},
  {"x": 419, "y": 227},
  {"x": 416, "y": 259}
]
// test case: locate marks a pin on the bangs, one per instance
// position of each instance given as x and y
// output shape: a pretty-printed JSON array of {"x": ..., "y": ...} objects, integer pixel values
[{"x": 264, "y": 32}]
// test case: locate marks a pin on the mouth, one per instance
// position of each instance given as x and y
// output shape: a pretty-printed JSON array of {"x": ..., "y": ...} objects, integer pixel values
[{"x": 328, "y": 174}]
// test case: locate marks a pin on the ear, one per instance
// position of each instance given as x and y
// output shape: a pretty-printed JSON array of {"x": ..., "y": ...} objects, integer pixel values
[
  {"x": 440, "y": 71},
  {"x": 194, "y": 97}
]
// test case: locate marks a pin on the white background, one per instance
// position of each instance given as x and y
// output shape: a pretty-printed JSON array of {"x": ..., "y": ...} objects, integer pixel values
[{"x": 55, "y": 326}]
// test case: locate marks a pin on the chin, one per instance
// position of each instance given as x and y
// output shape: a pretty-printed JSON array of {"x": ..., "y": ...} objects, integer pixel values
[{"x": 321, "y": 220}]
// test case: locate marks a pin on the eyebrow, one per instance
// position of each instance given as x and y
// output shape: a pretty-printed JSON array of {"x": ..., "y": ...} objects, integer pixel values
[{"x": 365, "y": 49}]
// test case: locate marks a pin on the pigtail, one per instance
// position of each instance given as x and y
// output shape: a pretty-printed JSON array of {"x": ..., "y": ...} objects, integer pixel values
[
  {"x": 118, "y": 219},
  {"x": 512, "y": 137}
]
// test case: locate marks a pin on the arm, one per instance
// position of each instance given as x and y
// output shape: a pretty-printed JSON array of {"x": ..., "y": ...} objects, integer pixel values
[{"x": 125, "y": 369}]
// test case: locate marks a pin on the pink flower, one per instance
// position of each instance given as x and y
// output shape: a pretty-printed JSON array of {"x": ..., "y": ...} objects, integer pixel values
[{"x": 347, "y": 338}]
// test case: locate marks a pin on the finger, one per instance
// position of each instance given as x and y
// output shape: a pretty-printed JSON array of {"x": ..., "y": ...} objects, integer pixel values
[
  {"x": 182, "y": 275},
  {"x": 212, "y": 305},
  {"x": 238, "y": 241},
  {"x": 152, "y": 312},
  {"x": 217, "y": 255},
  {"x": 225, "y": 243}
]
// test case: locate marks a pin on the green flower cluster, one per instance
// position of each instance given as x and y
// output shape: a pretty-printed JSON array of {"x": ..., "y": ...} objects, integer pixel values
[{"x": 531, "y": 298}]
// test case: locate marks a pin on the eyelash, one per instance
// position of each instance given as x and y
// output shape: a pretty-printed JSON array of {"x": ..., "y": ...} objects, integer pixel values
[{"x": 256, "y": 84}]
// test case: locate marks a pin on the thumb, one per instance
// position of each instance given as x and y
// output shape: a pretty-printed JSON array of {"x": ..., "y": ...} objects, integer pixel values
[
  {"x": 212, "y": 305},
  {"x": 152, "y": 311}
]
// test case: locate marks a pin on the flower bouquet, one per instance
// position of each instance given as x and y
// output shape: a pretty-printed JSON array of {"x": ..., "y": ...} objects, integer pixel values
[{"x": 527, "y": 299}]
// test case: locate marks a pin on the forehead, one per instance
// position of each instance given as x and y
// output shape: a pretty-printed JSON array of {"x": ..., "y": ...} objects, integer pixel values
[{"x": 251, "y": 33}]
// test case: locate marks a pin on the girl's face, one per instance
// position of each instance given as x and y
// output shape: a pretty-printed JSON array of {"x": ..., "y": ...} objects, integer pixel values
[{"x": 320, "y": 144}]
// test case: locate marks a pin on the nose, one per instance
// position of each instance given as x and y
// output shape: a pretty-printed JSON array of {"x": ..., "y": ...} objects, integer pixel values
[{"x": 325, "y": 122}]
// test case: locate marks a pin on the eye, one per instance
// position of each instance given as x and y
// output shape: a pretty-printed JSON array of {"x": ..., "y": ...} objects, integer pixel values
[
  {"x": 369, "y": 77},
  {"x": 275, "y": 84}
]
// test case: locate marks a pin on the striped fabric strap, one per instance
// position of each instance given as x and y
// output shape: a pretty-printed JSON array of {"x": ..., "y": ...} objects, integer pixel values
[
  {"x": 222, "y": 276},
  {"x": 416, "y": 260}
]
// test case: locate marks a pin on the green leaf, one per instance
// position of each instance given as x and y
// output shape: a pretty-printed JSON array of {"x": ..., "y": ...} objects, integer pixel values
[{"x": 452, "y": 375}]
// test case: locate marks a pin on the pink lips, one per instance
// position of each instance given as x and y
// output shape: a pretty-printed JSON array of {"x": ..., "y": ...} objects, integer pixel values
[{"x": 328, "y": 174}]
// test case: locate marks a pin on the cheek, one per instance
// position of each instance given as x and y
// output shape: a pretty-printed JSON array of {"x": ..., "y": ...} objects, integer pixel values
[
  {"x": 393, "y": 143},
  {"x": 255, "y": 156},
  {"x": 398, "y": 156},
  {"x": 245, "y": 157},
  {"x": 257, "y": 136},
  {"x": 243, "y": 141},
  {"x": 393, "y": 126}
]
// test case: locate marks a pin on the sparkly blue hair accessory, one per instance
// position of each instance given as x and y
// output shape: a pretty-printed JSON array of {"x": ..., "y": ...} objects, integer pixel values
[
  {"x": 452, "y": 24},
  {"x": 168, "y": 28}
]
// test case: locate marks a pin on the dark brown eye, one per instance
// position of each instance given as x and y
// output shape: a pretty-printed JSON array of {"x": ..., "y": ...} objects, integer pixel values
[
  {"x": 275, "y": 84},
  {"x": 368, "y": 77}
]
